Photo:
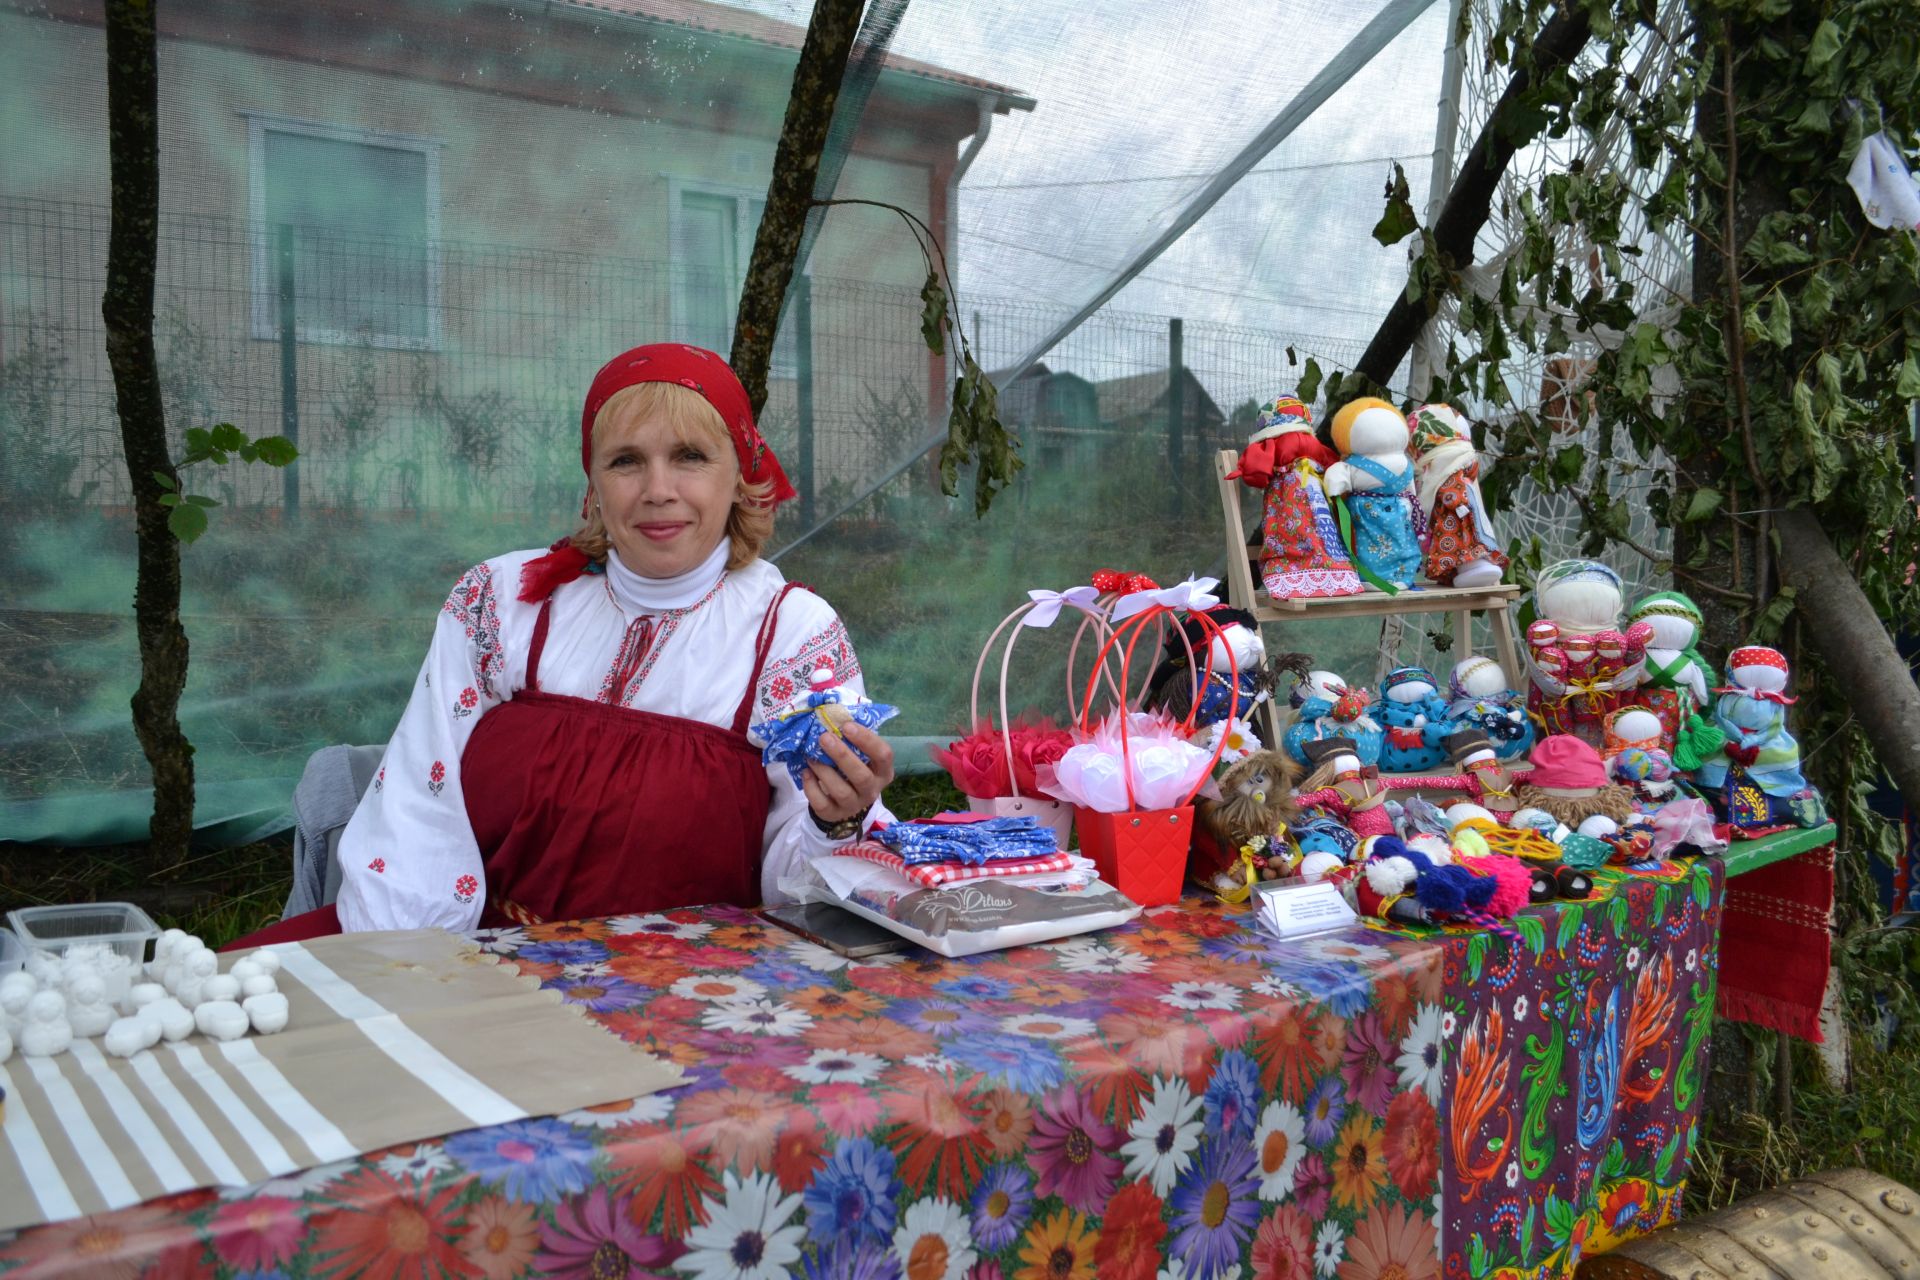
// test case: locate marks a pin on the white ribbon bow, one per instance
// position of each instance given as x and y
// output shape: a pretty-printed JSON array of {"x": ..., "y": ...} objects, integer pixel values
[
  {"x": 1194, "y": 595},
  {"x": 1047, "y": 604}
]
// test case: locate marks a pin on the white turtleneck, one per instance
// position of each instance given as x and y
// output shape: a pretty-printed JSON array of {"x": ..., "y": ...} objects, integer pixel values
[{"x": 657, "y": 595}]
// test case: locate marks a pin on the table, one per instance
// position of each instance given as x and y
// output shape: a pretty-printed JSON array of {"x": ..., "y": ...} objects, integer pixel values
[
  {"x": 1777, "y": 935},
  {"x": 1181, "y": 1097}
]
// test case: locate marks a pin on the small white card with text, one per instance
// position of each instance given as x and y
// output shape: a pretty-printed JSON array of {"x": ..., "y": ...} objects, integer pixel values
[{"x": 1291, "y": 909}]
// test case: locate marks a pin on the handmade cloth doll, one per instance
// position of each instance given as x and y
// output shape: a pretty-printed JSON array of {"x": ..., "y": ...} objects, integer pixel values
[
  {"x": 1343, "y": 788},
  {"x": 1325, "y": 706},
  {"x": 1484, "y": 699},
  {"x": 1484, "y": 775},
  {"x": 1228, "y": 651},
  {"x": 1462, "y": 548},
  {"x": 1301, "y": 553},
  {"x": 1575, "y": 601},
  {"x": 1755, "y": 783},
  {"x": 1374, "y": 480},
  {"x": 1416, "y": 722},
  {"x": 1570, "y": 782},
  {"x": 1673, "y": 663},
  {"x": 791, "y": 736}
]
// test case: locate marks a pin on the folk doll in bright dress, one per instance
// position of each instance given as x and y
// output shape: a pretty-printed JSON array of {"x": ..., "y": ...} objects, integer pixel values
[
  {"x": 1301, "y": 553},
  {"x": 1374, "y": 479},
  {"x": 1755, "y": 783},
  {"x": 576, "y": 741},
  {"x": 1462, "y": 548},
  {"x": 1415, "y": 718},
  {"x": 1326, "y": 706},
  {"x": 1484, "y": 698},
  {"x": 1674, "y": 662}
]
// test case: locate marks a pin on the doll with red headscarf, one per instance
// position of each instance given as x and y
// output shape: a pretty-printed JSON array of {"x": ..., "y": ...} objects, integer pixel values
[
  {"x": 1301, "y": 552},
  {"x": 576, "y": 742}
]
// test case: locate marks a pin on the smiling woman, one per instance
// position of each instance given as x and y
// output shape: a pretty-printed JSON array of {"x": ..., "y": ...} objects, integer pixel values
[{"x": 576, "y": 745}]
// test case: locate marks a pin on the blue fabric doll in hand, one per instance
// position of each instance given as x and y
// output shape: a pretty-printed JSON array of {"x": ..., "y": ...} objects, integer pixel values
[
  {"x": 1415, "y": 718},
  {"x": 792, "y": 737}
]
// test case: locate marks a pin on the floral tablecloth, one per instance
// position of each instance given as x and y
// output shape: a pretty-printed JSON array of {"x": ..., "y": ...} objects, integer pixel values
[{"x": 1178, "y": 1099}]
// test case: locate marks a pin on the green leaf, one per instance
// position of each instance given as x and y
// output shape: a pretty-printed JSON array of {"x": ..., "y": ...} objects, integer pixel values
[
  {"x": 1310, "y": 378},
  {"x": 1478, "y": 1263},
  {"x": 200, "y": 500},
  {"x": 187, "y": 522},
  {"x": 1566, "y": 465},
  {"x": 1476, "y": 955},
  {"x": 1532, "y": 932},
  {"x": 933, "y": 314},
  {"x": 1703, "y": 504},
  {"x": 1570, "y": 918},
  {"x": 166, "y": 481},
  {"x": 228, "y": 437},
  {"x": 1824, "y": 45},
  {"x": 169, "y": 499},
  {"x": 1780, "y": 321},
  {"x": 275, "y": 451},
  {"x": 199, "y": 439},
  {"x": 1908, "y": 388},
  {"x": 1398, "y": 222}
]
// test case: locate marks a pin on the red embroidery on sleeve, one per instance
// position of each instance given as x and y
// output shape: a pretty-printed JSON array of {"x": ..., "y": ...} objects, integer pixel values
[{"x": 436, "y": 778}]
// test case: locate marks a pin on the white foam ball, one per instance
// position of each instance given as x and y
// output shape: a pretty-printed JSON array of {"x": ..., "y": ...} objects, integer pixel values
[
  {"x": 126, "y": 1037},
  {"x": 243, "y": 969},
  {"x": 142, "y": 994},
  {"x": 175, "y": 1019},
  {"x": 1637, "y": 725},
  {"x": 1317, "y": 864},
  {"x": 269, "y": 961},
  {"x": 221, "y": 1019},
  {"x": 1480, "y": 676},
  {"x": 222, "y": 986},
  {"x": 260, "y": 984},
  {"x": 1598, "y": 826}
]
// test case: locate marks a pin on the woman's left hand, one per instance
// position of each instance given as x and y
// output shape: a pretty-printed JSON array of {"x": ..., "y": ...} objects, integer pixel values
[{"x": 849, "y": 789}]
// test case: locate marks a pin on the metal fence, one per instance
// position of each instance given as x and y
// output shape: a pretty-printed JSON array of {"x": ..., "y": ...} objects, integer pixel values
[{"x": 419, "y": 375}]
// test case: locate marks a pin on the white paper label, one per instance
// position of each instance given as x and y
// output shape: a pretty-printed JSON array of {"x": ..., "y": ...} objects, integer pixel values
[{"x": 1300, "y": 910}]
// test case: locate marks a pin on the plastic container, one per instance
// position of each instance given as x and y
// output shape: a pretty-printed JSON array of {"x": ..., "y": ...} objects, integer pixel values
[
  {"x": 119, "y": 925},
  {"x": 13, "y": 953}
]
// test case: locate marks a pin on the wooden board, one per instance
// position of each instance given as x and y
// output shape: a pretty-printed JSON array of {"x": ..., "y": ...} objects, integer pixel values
[{"x": 1743, "y": 856}]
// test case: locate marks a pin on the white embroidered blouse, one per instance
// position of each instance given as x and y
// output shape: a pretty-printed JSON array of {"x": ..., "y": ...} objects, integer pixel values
[{"x": 408, "y": 857}]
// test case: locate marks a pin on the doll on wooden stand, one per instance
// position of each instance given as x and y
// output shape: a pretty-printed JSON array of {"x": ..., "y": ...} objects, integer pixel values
[
  {"x": 1462, "y": 548},
  {"x": 1301, "y": 554},
  {"x": 1374, "y": 481}
]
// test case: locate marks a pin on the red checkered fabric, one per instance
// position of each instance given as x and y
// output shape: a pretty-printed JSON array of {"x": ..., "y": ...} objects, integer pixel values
[{"x": 935, "y": 874}]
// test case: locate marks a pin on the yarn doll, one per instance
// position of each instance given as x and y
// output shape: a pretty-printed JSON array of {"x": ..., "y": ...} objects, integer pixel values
[
  {"x": 1243, "y": 836},
  {"x": 1580, "y": 599},
  {"x": 1416, "y": 721},
  {"x": 1228, "y": 651},
  {"x": 1325, "y": 706},
  {"x": 1484, "y": 699},
  {"x": 1485, "y": 775},
  {"x": 1462, "y": 548},
  {"x": 1755, "y": 783},
  {"x": 1570, "y": 782},
  {"x": 1342, "y": 788},
  {"x": 1674, "y": 663},
  {"x": 1374, "y": 480},
  {"x": 1301, "y": 554}
]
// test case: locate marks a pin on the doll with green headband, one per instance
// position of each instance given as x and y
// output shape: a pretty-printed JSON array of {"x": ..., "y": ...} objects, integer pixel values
[{"x": 1674, "y": 663}]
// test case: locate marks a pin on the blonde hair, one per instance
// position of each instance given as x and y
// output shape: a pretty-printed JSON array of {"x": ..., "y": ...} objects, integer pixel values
[{"x": 696, "y": 422}]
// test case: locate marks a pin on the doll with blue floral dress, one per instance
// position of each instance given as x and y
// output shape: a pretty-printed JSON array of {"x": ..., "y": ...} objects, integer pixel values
[{"x": 1375, "y": 479}]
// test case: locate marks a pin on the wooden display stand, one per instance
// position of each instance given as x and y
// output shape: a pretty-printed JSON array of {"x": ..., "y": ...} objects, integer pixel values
[{"x": 1244, "y": 592}]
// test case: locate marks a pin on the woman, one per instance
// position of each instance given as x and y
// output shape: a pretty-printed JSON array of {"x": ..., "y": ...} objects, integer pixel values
[{"x": 576, "y": 744}]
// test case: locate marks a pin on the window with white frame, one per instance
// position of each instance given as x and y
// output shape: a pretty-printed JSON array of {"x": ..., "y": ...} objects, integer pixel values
[
  {"x": 713, "y": 232},
  {"x": 363, "y": 212}
]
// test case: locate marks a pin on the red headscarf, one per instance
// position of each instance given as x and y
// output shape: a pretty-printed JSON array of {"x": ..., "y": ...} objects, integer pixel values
[{"x": 696, "y": 369}]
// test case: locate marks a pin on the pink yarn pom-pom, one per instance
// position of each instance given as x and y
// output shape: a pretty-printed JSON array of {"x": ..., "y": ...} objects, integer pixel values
[{"x": 1510, "y": 875}]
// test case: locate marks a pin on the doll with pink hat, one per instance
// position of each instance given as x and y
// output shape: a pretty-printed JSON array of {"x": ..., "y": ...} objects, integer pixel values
[
  {"x": 1755, "y": 782},
  {"x": 1570, "y": 782}
]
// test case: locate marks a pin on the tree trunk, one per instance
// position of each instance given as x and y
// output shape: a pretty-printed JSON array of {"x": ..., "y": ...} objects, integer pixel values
[
  {"x": 133, "y": 110},
  {"x": 1471, "y": 199},
  {"x": 1854, "y": 643},
  {"x": 796, "y": 163}
]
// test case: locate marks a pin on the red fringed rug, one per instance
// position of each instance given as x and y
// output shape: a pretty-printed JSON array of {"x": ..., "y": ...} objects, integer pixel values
[{"x": 1776, "y": 944}]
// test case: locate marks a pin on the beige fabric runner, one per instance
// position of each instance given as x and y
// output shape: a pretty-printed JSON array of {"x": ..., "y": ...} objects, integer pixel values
[{"x": 391, "y": 1037}]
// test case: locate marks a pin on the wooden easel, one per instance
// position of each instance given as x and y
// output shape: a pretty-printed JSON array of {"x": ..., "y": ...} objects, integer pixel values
[{"x": 1463, "y": 603}]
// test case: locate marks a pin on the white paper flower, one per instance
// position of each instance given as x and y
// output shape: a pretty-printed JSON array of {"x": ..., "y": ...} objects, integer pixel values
[
  {"x": 1202, "y": 995},
  {"x": 652, "y": 1109},
  {"x": 1092, "y": 957},
  {"x": 660, "y": 926},
  {"x": 591, "y": 969},
  {"x": 1047, "y": 1026},
  {"x": 1419, "y": 1060},
  {"x": 717, "y": 988},
  {"x": 934, "y": 1241},
  {"x": 500, "y": 942},
  {"x": 1278, "y": 1144},
  {"x": 757, "y": 1017},
  {"x": 836, "y": 1066},
  {"x": 1693, "y": 958},
  {"x": 1268, "y": 985},
  {"x": 811, "y": 955},
  {"x": 1241, "y": 742},
  {"x": 1513, "y": 1173},
  {"x": 747, "y": 1236},
  {"x": 1162, "y": 1139},
  {"x": 1329, "y": 1248},
  {"x": 421, "y": 1163}
]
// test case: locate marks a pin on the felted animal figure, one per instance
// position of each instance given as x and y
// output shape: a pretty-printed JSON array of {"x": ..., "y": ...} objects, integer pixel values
[
  {"x": 1484, "y": 700},
  {"x": 1254, "y": 812},
  {"x": 1755, "y": 783},
  {"x": 1374, "y": 480},
  {"x": 1415, "y": 718},
  {"x": 1325, "y": 706},
  {"x": 1462, "y": 548},
  {"x": 1235, "y": 653},
  {"x": 1301, "y": 554},
  {"x": 1674, "y": 662}
]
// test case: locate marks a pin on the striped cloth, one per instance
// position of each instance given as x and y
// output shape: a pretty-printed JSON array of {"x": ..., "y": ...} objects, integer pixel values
[
  {"x": 935, "y": 874},
  {"x": 391, "y": 1037}
]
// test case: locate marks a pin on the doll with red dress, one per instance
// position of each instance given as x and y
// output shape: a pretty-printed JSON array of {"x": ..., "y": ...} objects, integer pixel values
[{"x": 1301, "y": 552}]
